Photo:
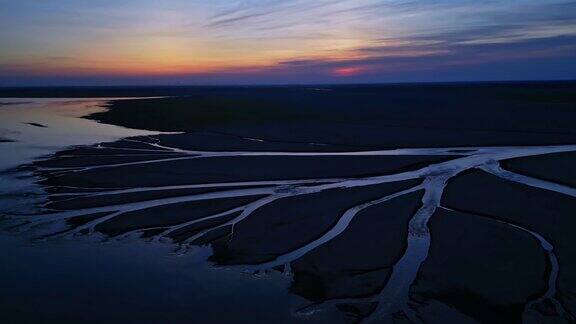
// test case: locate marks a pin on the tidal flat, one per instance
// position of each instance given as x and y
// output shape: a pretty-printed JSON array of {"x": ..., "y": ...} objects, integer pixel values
[{"x": 445, "y": 203}]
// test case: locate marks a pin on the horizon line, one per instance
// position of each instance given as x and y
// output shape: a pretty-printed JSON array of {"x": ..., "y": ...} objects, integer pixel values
[{"x": 274, "y": 85}]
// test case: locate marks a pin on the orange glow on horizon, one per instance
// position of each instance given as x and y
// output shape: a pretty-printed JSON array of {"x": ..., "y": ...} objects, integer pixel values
[{"x": 348, "y": 71}]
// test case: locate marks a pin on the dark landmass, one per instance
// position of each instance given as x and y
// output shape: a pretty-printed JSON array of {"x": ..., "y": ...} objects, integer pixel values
[
  {"x": 547, "y": 213},
  {"x": 232, "y": 169},
  {"x": 65, "y": 203},
  {"x": 180, "y": 169},
  {"x": 377, "y": 116},
  {"x": 285, "y": 225},
  {"x": 347, "y": 267},
  {"x": 12, "y": 103},
  {"x": 557, "y": 168},
  {"x": 167, "y": 215},
  {"x": 474, "y": 266},
  {"x": 37, "y": 125},
  {"x": 5, "y": 140},
  {"x": 212, "y": 141},
  {"x": 162, "y": 91}
]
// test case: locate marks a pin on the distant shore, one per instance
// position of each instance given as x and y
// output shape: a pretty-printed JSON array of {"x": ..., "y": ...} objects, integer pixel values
[{"x": 183, "y": 90}]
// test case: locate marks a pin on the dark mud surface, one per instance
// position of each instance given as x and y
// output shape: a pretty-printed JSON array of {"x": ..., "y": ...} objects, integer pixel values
[
  {"x": 547, "y": 213},
  {"x": 178, "y": 169},
  {"x": 553, "y": 167},
  {"x": 493, "y": 283},
  {"x": 383, "y": 116},
  {"x": 37, "y": 125}
]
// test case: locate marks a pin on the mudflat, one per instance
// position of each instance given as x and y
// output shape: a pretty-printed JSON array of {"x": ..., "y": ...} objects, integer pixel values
[{"x": 443, "y": 203}]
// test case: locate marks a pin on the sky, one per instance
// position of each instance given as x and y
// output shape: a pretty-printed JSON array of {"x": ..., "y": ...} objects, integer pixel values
[{"x": 180, "y": 42}]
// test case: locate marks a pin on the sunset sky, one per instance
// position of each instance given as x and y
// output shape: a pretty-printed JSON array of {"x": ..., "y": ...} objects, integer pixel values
[{"x": 114, "y": 42}]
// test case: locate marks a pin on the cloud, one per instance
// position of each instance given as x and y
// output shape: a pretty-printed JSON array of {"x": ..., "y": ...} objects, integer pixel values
[
  {"x": 438, "y": 56},
  {"x": 61, "y": 58},
  {"x": 235, "y": 19}
]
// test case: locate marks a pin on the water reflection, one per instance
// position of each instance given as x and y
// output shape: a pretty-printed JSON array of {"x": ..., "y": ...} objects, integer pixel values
[{"x": 37, "y": 127}]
